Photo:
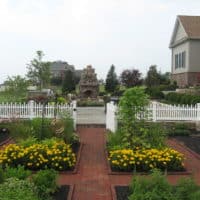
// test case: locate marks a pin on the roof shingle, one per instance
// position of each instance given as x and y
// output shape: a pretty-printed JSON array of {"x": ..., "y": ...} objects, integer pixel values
[{"x": 191, "y": 25}]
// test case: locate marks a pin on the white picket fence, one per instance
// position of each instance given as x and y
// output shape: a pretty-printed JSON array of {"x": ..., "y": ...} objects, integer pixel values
[
  {"x": 32, "y": 110},
  {"x": 157, "y": 112}
]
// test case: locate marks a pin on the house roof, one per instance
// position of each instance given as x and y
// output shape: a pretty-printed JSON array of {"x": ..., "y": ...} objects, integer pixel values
[
  {"x": 191, "y": 24},
  {"x": 60, "y": 66}
]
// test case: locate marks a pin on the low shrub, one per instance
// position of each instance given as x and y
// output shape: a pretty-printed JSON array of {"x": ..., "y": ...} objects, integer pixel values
[
  {"x": 186, "y": 189},
  {"x": 155, "y": 93},
  {"x": 45, "y": 182},
  {"x": 178, "y": 98},
  {"x": 17, "y": 189},
  {"x": 59, "y": 156},
  {"x": 146, "y": 159},
  {"x": 178, "y": 129},
  {"x": 114, "y": 140},
  {"x": 18, "y": 172},
  {"x": 20, "y": 129},
  {"x": 41, "y": 128},
  {"x": 2, "y": 177},
  {"x": 155, "y": 188}
]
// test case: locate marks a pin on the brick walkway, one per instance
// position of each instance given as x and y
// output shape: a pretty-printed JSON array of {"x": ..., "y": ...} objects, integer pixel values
[{"x": 92, "y": 181}]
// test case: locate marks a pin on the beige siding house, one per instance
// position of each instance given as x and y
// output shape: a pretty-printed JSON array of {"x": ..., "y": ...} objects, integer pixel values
[{"x": 185, "y": 47}]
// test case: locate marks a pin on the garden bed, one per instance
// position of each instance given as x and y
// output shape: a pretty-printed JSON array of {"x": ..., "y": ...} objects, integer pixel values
[
  {"x": 120, "y": 192},
  {"x": 64, "y": 192},
  {"x": 77, "y": 149},
  {"x": 113, "y": 171}
]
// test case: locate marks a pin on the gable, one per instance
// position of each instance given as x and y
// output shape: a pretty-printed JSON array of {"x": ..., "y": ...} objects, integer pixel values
[{"x": 179, "y": 34}]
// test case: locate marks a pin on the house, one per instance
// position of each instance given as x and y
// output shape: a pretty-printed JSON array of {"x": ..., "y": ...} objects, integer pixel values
[
  {"x": 58, "y": 69},
  {"x": 3, "y": 87},
  {"x": 185, "y": 48}
]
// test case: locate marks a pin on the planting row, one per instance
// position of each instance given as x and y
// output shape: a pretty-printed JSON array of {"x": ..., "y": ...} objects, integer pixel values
[
  {"x": 55, "y": 155},
  {"x": 146, "y": 159}
]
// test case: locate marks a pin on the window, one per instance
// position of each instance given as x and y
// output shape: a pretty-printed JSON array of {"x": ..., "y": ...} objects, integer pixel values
[{"x": 180, "y": 60}]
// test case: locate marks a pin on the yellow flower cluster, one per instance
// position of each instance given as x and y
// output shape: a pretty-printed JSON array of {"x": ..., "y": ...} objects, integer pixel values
[
  {"x": 58, "y": 156},
  {"x": 146, "y": 159}
]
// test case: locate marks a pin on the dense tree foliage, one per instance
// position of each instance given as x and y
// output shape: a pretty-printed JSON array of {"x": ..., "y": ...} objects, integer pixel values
[
  {"x": 111, "y": 80},
  {"x": 153, "y": 77},
  {"x": 16, "y": 85},
  {"x": 39, "y": 71},
  {"x": 69, "y": 84},
  {"x": 131, "y": 78}
]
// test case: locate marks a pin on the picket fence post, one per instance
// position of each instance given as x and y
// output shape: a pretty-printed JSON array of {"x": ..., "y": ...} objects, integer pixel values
[
  {"x": 31, "y": 109},
  {"x": 74, "y": 113},
  {"x": 154, "y": 107}
]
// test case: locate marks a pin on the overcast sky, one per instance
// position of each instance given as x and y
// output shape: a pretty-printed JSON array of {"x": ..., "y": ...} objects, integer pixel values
[{"x": 126, "y": 33}]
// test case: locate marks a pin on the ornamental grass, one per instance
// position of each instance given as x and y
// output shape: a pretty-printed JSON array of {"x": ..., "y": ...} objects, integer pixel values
[
  {"x": 144, "y": 160},
  {"x": 58, "y": 156}
]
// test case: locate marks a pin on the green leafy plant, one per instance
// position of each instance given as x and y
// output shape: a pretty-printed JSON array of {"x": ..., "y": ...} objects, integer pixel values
[
  {"x": 18, "y": 172},
  {"x": 45, "y": 182},
  {"x": 155, "y": 187},
  {"x": 114, "y": 140},
  {"x": 41, "y": 128},
  {"x": 20, "y": 129},
  {"x": 186, "y": 188},
  {"x": 68, "y": 134},
  {"x": 28, "y": 141},
  {"x": 16, "y": 189},
  {"x": 2, "y": 177},
  {"x": 132, "y": 112}
]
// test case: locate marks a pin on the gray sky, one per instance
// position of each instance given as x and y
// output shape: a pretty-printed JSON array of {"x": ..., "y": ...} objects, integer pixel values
[{"x": 126, "y": 33}]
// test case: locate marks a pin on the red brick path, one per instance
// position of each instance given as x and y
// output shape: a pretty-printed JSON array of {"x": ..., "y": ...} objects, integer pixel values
[{"x": 92, "y": 181}]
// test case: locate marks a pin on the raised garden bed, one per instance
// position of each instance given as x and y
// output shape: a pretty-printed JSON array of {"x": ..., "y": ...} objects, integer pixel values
[
  {"x": 120, "y": 192},
  {"x": 77, "y": 149},
  {"x": 192, "y": 142},
  {"x": 113, "y": 171},
  {"x": 4, "y": 135}
]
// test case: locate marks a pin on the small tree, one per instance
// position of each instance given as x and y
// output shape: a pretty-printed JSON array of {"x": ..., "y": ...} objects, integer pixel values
[
  {"x": 16, "y": 85},
  {"x": 153, "y": 77},
  {"x": 39, "y": 71},
  {"x": 68, "y": 82},
  {"x": 131, "y": 78},
  {"x": 111, "y": 80}
]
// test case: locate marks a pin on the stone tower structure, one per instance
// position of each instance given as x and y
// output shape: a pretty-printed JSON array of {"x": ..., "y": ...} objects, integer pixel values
[{"x": 89, "y": 86}]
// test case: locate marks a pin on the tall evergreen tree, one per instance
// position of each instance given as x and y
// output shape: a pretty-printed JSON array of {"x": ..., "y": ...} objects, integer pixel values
[
  {"x": 68, "y": 82},
  {"x": 153, "y": 77},
  {"x": 111, "y": 80}
]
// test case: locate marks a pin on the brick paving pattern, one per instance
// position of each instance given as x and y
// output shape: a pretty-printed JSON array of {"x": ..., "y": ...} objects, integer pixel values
[{"x": 92, "y": 182}]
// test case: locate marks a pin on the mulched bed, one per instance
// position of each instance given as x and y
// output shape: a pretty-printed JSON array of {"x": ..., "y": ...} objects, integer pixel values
[
  {"x": 192, "y": 142},
  {"x": 122, "y": 192},
  {"x": 62, "y": 193},
  {"x": 4, "y": 135}
]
